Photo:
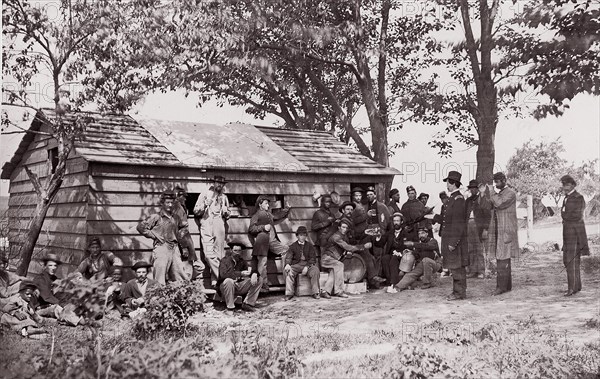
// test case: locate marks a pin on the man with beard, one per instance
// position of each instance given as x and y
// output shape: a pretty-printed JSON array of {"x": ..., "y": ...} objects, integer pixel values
[
  {"x": 478, "y": 221},
  {"x": 212, "y": 208},
  {"x": 322, "y": 221},
  {"x": 236, "y": 278},
  {"x": 414, "y": 212},
  {"x": 503, "y": 237},
  {"x": 134, "y": 291},
  {"x": 454, "y": 237},
  {"x": 575, "y": 243},
  {"x": 394, "y": 204},
  {"x": 378, "y": 215},
  {"x": 427, "y": 260},
  {"x": 162, "y": 228},
  {"x": 359, "y": 216},
  {"x": 394, "y": 243}
]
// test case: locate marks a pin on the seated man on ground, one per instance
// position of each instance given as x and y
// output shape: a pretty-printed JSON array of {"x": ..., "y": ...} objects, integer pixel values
[
  {"x": 394, "y": 243},
  {"x": 134, "y": 291},
  {"x": 301, "y": 259},
  {"x": 98, "y": 263},
  {"x": 50, "y": 302},
  {"x": 338, "y": 248},
  {"x": 427, "y": 258},
  {"x": 236, "y": 278},
  {"x": 19, "y": 312},
  {"x": 113, "y": 292},
  {"x": 9, "y": 282}
]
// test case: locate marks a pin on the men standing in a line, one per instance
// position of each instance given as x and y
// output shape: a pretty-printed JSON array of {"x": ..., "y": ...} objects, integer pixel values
[
  {"x": 212, "y": 208},
  {"x": 359, "y": 216},
  {"x": 236, "y": 278},
  {"x": 478, "y": 221},
  {"x": 427, "y": 260},
  {"x": 454, "y": 237},
  {"x": 264, "y": 237},
  {"x": 301, "y": 259},
  {"x": 575, "y": 243},
  {"x": 162, "y": 229},
  {"x": 394, "y": 204},
  {"x": 185, "y": 239},
  {"x": 337, "y": 248},
  {"x": 322, "y": 221},
  {"x": 502, "y": 233}
]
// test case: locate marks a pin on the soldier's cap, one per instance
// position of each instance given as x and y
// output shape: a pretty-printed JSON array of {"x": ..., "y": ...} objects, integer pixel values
[
  {"x": 423, "y": 194},
  {"x": 27, "y": 284},
  {"x": 232, "y": 244},
  {"x": 94, "y": 241},
  {"x": 261, "y": 199},
  {"x": 51, "y": 258},
  {"x": 167, "y": 194},
  {"x": 357, "y": 189},
  {"x": 345, "y": 221},
  {"x": 114, "y": 269},
  {"x": 345, "y": 204},
  {"x": 568, "y": 179},
  {"x": 473, "y": 184},
  {"x": 301, "y": 230},
  {"x": 141, "y": 264},
  {"x": 410, "y": 188},
  {"x": 371, "y": 189},
  {"x": 180, "y": 191},
  {"x": 394, "y": 191},
  {"x": 499, "y": 176},
  {"x": 443, "y": 195},
  {"x": 398, "y": 214}
]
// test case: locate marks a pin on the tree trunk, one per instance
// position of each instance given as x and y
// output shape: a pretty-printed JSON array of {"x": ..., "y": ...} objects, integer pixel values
[
  {"x": 486, "y": 154},
  {"x": 31, "y": 236}
]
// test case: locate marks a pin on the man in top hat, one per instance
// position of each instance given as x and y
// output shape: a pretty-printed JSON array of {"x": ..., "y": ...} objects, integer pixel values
[
  {"x": 338, "y": 247},
  {"x": 263, "y": 236},
  {"x": 427, "y": 260},
  {"x": 212, "y": 208},
  {"x": 163, "y": 228},
  {"x": 134, "y": 291},
  {"x": 301, "y": 258},
  {"x": 98, "y": 263},
  {"x": 322, "y": 221},
  {"x": 414, "y": 212},
  {"x": 394, "y": 203},
  {"x": 237, "y": 278},
  {"x": 19, "y": 311},
  {"x": 186, "y": 243},
  {"x": 359, "y": 215},
  {"x": 575, "y": 243},
  {"x": 503, "y": 230},
  {"x": 454, "y": 237},
  {"x": 478, "y": 222}
]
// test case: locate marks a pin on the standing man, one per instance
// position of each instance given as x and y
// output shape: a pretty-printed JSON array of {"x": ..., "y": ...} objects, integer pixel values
[
  {"x": 454, "y": 237},
  {"x": 162, "y": 228},
  {"x": 478, "y": 222},
  {"x": 263, "y": 236},
  {"x": 212, "y": 208},
  {"x": 414, "y": 211},
  {"x": 301, "y": 258},
  {"x": 322, "y": 221},
  {"x": 337, "y": 248},
  {"x": 394, "y": 204},
  {"x": 359, "y": 216},
  {"x": 423, "y": 198},
  {"x": 377, "y": 213},
  {"x": 185, "y": 239},
  {"x": 236, "y": 278},
  {"x": 575, "y": 243},
  {"x": 503, "y": 237}
]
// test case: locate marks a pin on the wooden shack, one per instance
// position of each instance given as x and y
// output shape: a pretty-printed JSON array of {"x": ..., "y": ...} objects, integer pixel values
[{"x": 121, "y": 165}]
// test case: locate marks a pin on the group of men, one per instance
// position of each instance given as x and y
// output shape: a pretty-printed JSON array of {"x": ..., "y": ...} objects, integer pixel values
[{"x": 396, "y": 244}]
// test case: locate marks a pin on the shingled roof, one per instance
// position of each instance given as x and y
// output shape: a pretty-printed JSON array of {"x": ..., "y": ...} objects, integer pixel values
[{"x": 121, "y": 139}]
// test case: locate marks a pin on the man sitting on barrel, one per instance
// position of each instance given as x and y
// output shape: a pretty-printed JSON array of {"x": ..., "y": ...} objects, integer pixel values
[{"x": 301, "y": 259}]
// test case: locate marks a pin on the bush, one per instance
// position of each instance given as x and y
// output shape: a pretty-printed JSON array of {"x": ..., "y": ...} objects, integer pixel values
[{"x": 168, "y": 310}]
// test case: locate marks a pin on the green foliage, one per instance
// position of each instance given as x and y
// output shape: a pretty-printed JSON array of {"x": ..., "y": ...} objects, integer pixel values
[
  {"x": 168, "y": 310},
  {"x": 88, "y": 296}
]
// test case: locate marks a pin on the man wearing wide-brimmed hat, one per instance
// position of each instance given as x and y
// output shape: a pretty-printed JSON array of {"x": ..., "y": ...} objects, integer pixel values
[
  {"x": 454, "y": 237},
  {"x": 162, "y": 228},
  {"x": 301, "y": 259},
  {"x": 212, "y": 208},
  {"x": 503, "y": 230},
  {"x": 134, "y": 291},
  {"x": 575, "y": 242},
  {"x": 45, "y": 285},
  {"x": 478, "y": 222}
]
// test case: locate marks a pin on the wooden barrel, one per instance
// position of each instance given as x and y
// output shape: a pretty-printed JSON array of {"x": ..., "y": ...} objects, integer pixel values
[{"x": 355, "y": 269}]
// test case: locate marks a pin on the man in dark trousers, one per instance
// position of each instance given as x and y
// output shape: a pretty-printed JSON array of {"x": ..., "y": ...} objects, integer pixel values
[
  {"x": 301, "y": 259},
  {"x": 236, "y": 278},
  {"x": 414, "y": 212},
  {"x": 427, "y": 260},
  {"x": 322, "y": 221},
  {"x": 393, "y": 241},
  {"x": 574, "y": 235},
  {"x": 478, "y": 222},
  {"x": 454, "y": 237}
]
